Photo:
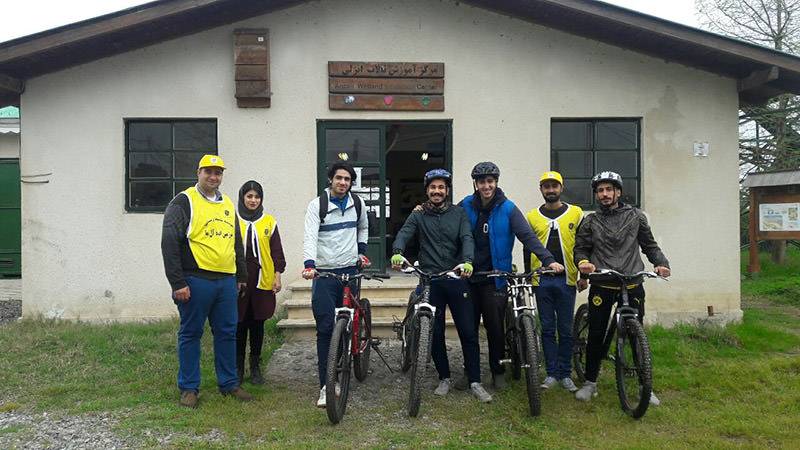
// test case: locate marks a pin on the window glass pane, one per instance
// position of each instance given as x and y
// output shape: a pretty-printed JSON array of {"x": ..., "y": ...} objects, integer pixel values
[
  {"x": 570, "y": 135},
  {"x": 630, "y": 187},
  {"x": 186, "y": 164},
  {"x": 624, "y": 163},
  {"x": 150, "y": 165},
  {"x": 150, "y": 193},
  {"x": 573, "y": 164},
  {"x": 149, "y": 136},
  {"x": 200, "y": 136},
  {"x": 617, "y": 135},
  {"x": 352, "y": 145},
  {"x": 577, "y": 192},
  {"x": 181, "y": 186}
]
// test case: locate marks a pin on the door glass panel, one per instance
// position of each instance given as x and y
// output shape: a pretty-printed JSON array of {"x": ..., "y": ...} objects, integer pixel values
[{"x": 352, "y": 145}]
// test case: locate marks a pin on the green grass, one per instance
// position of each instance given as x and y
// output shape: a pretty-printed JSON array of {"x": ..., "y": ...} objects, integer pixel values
[
  {"x": 779, "y": 283},
  {"x": 736, "y": 386}
]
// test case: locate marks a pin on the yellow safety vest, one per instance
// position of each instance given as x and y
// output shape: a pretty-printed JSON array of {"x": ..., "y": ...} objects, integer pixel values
[
  {"x": 262, "y": 232},
  {"x": 567, "y": 225},
  {"x": 212, "y": 232}
]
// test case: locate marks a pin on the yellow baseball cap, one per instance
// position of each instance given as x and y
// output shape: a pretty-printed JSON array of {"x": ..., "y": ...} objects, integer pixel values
[
  {"x": 211, "y": 161},
  {"x": 551, "y": 176}
]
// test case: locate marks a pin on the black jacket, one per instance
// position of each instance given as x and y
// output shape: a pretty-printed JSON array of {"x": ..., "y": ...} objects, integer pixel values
[
  {"x": 610, "y": 239},
  {"x": 445, "y": 239}
]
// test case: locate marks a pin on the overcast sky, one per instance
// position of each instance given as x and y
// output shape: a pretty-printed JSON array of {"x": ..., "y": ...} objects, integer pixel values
[{"x": 23, "y": 17}]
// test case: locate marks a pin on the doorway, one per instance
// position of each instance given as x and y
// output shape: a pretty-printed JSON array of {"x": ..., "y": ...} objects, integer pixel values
[{"x": 390, "y": 159}]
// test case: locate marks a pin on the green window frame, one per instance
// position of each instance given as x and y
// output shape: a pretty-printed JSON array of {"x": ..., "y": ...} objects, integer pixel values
[
  {"x": 582, "y": 147},
  {"x": 161, "y": 157}
]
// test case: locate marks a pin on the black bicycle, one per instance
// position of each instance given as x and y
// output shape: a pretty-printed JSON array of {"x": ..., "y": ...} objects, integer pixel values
[
  {"x": 632, "y": 358},
  {"x": 522, "y": 340},
  {"x": 351, "y": 341},
  {"x": 415, "y": 332}
]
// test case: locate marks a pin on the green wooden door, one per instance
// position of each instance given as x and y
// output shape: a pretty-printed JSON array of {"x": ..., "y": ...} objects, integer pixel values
[
  {"x": 361, "y": 144},
  {"x": 10, "y": 219}
]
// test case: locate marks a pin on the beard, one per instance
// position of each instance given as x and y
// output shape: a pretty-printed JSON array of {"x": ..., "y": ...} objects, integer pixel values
[{"x": 552, "y": 198}]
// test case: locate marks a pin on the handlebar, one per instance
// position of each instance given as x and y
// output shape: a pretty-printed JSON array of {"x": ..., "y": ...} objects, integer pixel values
[
  {"x": 526, "y": 275},
  {"x": 346, "y": 278},
  {"x": 627, "y": 276},
  {"x": 410, "y": 268}
]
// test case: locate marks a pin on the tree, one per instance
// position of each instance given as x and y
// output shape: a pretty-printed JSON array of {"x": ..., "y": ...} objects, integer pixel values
[{"x": 769, "y": 135}]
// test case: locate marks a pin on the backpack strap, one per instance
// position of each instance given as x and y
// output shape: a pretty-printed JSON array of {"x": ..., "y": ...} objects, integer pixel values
[{"x": 323, "y": 206}]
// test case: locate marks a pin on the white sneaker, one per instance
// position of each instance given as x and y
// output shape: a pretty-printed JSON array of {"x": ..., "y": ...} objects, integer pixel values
[
  {"x": 549, "y": 382},
  {"x": 653, "y": 399},
  {"x": 443, "y": 388},
  {"x": 321, "y": 403},
  {"x": 479, "y": 392},
  {"x": 567, "y": 384},
  {"x": 588, "y": 391}
]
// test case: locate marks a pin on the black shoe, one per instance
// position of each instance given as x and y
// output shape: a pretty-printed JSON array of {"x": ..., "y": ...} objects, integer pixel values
[{"x": 255, "y": 370}]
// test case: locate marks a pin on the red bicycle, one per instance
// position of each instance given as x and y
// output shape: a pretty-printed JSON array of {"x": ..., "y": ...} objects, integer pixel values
[{"x": 351, "y": 341}]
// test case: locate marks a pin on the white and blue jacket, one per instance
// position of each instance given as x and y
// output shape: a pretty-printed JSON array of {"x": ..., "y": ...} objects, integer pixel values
[{"x": 336, "y": 243}]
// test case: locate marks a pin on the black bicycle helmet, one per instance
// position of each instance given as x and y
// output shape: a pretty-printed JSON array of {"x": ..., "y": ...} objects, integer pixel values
[
  {"x": 439, "y": 174},
  {"x": 607, "y": 176},
  {"x": 485, "y": 168}
]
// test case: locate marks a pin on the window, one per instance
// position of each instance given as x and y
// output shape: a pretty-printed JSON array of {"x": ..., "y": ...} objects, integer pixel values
[
  {"x": 579, "y": 148},
  {"x": 161, "y": 158}
]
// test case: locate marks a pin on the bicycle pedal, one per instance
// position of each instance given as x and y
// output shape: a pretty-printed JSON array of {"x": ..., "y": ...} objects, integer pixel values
[
  {"x": 505, "y": 361},
  {"x": 376, "y": 341}
]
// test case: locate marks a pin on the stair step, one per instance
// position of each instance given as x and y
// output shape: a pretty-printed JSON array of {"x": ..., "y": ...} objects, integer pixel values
[{"x": 305, "y": 329}]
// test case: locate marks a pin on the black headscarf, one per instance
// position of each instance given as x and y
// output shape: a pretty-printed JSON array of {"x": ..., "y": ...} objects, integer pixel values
[{"x": 244, "y": 212}]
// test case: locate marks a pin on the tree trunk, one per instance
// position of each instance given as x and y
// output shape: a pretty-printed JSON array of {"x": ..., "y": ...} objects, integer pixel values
[{"x": 777, "y": 250}]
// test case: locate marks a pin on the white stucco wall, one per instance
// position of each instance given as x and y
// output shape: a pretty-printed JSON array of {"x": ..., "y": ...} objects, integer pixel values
[
  {"x": 85, "y": 257},
  {"x": 9, "y": 145}
]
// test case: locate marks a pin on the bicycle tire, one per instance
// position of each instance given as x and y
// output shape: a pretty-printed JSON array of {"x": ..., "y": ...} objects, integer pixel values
[
  {"x": 338, "y": 371},
  {"x": 530, "y": 348},
  {"x": 423, "y": 351},
  {"x": 364, "y": 340},
  {"x": 512, "y": 343},
  {"x": 580, "y": 335},
  {"x": 634, "y": 370},
  {"x": 408, "y": 337}
]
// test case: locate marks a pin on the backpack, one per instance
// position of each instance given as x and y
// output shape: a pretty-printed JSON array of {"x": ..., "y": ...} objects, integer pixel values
[{"x": 323, "y": 207}]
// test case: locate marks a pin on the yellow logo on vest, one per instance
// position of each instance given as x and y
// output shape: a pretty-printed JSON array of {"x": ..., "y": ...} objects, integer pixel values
[{"x": 597, "y": 300}]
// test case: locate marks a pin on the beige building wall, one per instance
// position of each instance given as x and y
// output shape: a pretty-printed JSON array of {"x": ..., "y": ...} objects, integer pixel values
[
  {"x": 85, "y": 257},
  {"x": 9, "y": 145}
]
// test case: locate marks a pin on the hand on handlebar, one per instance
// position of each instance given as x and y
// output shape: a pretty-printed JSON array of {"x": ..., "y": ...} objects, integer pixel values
[
  {"x": 558, "y": 268},
  {"x": 365, "y": 262},
  {"x": 398, "y": 261},
  {"x": 662, "y": 271},
  {"x": 465, "y": 268},
  {"x": 309, "y": 273},
  {"x": 587, "y": 268}
]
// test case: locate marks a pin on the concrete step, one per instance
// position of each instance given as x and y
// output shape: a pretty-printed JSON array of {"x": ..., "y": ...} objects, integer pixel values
[
  {"x": 396, "y": 287},
  {"x": 381, "y": 307},
  {"x": 304, "y": 329}
]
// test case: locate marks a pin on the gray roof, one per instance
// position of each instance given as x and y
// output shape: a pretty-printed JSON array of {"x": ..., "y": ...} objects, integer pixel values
[
  {"x": 778, "y": 178},
  {"x": 761, "y": 72}
]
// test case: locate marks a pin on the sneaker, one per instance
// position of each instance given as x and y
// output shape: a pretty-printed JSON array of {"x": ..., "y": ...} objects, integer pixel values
[
  {"x": 479, "y": 392},
  {"x": 321, "y": 402},
  {"x": 549, "y": 382},
  {"x": 499, "y": 382},
  {"x": 653, "y": 399},
  {"x": 567, "y": 384},
  {"x": 239, "y": 394},
  {"x": 462, "y": 384},
  {"x": 588, "y": 391},
  {"x": 188, "y": 399},
  {"x": 443, "y": 388}
]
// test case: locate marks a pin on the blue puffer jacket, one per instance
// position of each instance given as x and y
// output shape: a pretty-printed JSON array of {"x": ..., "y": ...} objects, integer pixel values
[{"x": 506, "y": 222}]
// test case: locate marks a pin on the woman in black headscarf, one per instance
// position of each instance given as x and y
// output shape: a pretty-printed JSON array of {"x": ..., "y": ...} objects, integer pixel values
[{"x": 265, "y": 263}]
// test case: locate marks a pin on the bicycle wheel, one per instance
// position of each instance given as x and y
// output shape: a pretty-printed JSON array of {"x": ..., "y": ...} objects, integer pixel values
[
  {"x": 512, "y": 343},
  {"x": 408, "y": 337},
  {"x": 364, "y": 341},
  {"x": 580, "y": 335},
  {"x": 530, "y": 348},
  {"x": 422, "y": 347},
  {"x": 634, "y": 370},
  {"x": 338, "y": 372}
]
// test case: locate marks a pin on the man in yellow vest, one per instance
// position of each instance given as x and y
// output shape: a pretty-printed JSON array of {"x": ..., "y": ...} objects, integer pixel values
[
  {"x": 556, "y": 223},
  {"x": 203, "y": 259}
]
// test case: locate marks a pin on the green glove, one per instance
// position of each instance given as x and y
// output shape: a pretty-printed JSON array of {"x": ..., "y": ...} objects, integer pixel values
[
  {"x": 466, "y": 268},
  {"x": 397, "y": 259}
]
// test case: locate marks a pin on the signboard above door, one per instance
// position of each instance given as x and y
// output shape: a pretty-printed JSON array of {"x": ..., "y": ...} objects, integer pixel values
[{"x": 386, "y": 86}]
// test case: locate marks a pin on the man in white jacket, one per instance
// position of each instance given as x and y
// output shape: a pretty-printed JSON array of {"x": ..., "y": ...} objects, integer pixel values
[{"x": 337, "y": 244}]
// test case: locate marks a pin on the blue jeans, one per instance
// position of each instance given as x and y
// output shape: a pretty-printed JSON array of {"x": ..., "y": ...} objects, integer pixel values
[
  {"x": 556, "y": 303},
  {"x": 455, "y": 294},
  {"x": 214, "y": 300},
  {"x": 326, "y": 295}
]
